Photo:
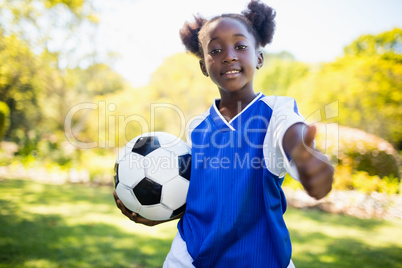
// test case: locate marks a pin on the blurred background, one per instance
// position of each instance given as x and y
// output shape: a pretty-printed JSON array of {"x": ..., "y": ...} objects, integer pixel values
[{"x": 80, "y": 78}]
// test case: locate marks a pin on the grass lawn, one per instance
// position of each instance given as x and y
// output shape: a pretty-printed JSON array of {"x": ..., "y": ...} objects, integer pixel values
[{"x": 44, "y": 225}]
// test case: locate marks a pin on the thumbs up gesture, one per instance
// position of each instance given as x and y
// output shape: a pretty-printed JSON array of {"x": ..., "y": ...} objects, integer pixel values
[{"x": 315, "y": 171}]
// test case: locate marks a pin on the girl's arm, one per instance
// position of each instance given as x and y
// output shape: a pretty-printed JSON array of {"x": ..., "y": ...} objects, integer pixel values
[{"x": 315, "y": 172}]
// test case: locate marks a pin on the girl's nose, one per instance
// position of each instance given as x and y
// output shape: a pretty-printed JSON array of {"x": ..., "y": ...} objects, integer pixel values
[{"x": 229, "y": 56}]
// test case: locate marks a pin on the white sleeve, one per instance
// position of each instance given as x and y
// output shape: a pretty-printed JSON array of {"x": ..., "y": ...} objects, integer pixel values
[{"x": 284, "y": 115}]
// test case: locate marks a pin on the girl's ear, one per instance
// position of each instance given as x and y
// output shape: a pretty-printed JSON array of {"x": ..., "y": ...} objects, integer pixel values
[
  {"x": 203, "y": 68},
  {"x": 260, "y": 59}
]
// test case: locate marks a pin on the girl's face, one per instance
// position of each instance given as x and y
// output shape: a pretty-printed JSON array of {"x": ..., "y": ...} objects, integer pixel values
[{"x": 230, "y": 55}]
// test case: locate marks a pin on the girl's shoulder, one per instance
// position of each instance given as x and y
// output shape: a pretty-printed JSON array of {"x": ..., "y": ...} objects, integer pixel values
[{"x": 278, "y": 102}]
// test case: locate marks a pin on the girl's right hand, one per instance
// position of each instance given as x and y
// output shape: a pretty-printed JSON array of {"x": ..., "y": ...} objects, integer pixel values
[{"x": 132, "y": 215}]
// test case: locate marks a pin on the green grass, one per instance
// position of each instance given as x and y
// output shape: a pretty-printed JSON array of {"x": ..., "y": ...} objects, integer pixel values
[
  {"x": 321, "y": 239},
  {"x": 44, "y": 225}
]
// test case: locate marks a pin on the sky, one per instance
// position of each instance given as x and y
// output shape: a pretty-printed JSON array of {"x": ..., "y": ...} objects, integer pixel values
[{"x": 145, "y": 32}]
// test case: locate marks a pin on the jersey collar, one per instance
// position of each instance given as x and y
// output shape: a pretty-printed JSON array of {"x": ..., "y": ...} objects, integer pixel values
[{"x": 221, "y": 123}]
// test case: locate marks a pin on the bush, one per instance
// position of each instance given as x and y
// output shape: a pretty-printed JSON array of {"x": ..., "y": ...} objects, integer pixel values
[
  {"x": 99, "y": 164},
  {"x": 359, "y": 151},
  {"x": 365, "y": 183},
  {"x": 346, "y": 179},
  {"x": 291, "y": 183},
  {"x": 362, "y": 161}
]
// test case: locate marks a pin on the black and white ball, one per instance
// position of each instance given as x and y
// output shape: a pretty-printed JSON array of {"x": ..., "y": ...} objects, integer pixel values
[{"x": 152, "y": 175}]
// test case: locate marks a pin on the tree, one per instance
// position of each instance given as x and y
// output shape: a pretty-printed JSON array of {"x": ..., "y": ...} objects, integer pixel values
[
  {"x": 37, "y": 21},
  {"x": 366, "y": 81},
  {"x": 387, "y": 44},
  {"x": 280, "y": 70},
  {"x": 32, "y": 60},
  {"x": 4, "y": 120},
  {"x": 19, "y": 83}
]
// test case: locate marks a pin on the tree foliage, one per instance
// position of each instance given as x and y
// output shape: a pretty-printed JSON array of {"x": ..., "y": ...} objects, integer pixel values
[
  {"x": 39, "y": 77},
  {"x": 387, "y": 44},
  {"x": 19, "y": 84},
  {"x": 177, "y": 92},
  {"x": 4, "y": 118},
  {"x": 278, "y": 73},
  {"x": 367, "y": 83}
]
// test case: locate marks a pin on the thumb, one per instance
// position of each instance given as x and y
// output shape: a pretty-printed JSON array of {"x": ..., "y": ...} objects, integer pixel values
[
  {"x": 309, "y": 135},
  {"x": 301, "y": 150}
]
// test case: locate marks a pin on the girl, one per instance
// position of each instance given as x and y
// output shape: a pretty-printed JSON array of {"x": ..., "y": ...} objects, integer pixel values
[{"x": 241, "y": 149}]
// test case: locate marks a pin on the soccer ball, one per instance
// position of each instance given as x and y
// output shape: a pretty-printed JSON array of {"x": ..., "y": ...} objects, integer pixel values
[{"x": 152, "y": 174}]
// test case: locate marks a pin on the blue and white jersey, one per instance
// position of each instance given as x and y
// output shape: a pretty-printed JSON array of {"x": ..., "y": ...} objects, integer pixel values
[{"x": 235, "y": 204}]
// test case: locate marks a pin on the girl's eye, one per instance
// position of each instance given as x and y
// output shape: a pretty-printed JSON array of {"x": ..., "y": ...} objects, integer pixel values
[
  {"x": 241, "y": 47},
  {"x": 214, "y": 51}
]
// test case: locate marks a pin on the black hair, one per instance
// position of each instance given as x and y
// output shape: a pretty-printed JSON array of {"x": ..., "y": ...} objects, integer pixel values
[{"x": 259, "y": 19}]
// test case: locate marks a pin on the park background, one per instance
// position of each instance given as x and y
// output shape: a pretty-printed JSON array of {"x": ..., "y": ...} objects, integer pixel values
[{"x": 78, "y": 79}]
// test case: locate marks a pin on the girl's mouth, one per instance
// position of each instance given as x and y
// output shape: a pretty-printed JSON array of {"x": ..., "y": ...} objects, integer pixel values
[{"x": 231, "y": 73}]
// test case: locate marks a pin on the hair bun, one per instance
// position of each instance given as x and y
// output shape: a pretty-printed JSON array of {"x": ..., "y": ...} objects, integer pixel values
[
  {"x": 262, "y": 18},
  {"x": 189, "y": 35}
]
